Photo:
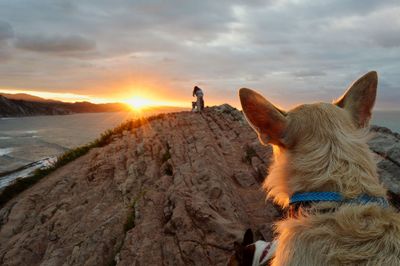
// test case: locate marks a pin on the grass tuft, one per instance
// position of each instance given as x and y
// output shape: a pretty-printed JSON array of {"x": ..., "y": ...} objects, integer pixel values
[
  {"x": 169, "y": 170},
  {"x": 167, "y": 155},
  {"x": 130, "y": 221},
  {"x": 131, "y": 218}
]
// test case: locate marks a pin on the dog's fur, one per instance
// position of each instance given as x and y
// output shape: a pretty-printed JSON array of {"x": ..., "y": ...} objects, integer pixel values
[{"x": 322, "y": 147}]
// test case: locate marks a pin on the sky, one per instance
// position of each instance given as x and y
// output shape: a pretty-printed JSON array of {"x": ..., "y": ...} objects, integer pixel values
[{"x": 292, "y": 51}]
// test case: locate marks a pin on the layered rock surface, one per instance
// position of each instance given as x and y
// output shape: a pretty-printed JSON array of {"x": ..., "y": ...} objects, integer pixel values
[{"x": 176, "y": 191}]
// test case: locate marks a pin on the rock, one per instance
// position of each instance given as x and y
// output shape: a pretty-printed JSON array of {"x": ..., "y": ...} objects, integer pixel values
[
  {"x": 386, "y": 145},
  {"x": 175, "y": 191},
  {"x": 178, "y": 190}
]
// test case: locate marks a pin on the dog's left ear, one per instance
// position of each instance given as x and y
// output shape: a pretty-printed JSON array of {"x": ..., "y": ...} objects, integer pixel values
[
  {"x": 359, "y": 99},
  {"x": 248, "y": 237},
  {"x": 267, "y": 120}
]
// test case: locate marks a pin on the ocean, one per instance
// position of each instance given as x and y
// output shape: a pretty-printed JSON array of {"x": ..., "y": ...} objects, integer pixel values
[
  {"x": 32, "y": 142},
  {"x": 24, "y": 140},
  {"x": 389, "y": 119}
]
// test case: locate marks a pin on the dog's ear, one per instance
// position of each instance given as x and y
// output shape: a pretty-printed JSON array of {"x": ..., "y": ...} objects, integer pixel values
[
  {"x": 360, "y": 98},
  {"x": 248, "y": 237},
  {"x": 267, "y": 120}
]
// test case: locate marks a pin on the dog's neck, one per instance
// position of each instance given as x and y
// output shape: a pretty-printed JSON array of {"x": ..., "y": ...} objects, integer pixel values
[{"x": 344, "y": 165}]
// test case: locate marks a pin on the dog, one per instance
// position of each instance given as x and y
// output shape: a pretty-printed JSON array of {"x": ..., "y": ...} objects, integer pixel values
[
  {"x": 324, "y": 171},
  {"x": 250, "y": 253}
]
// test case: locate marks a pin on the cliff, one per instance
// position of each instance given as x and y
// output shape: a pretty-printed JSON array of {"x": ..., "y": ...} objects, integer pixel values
[
  {"x": 178, "y": 190},
  {"x": 17, "y": 107}
]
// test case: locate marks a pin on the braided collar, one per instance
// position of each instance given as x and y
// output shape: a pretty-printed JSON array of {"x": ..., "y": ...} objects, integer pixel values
[
  {"x": 309, "y": 197},
  {"x": 305, "y": 200}
]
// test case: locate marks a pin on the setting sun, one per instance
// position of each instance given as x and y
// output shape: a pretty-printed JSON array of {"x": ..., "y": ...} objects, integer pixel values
[
  {"x": 140, "y": 102},
  {"x": 137, "y": 103}
]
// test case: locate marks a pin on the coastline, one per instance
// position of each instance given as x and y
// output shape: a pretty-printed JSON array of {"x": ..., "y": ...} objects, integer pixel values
[{"x": 8, "y": 177}]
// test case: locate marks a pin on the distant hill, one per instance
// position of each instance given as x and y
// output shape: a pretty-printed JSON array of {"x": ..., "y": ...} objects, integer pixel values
[
  {"x": 25, "y": 97},
  {"x": 38, "y": 106},
  {"x": 22, "y": 104}
]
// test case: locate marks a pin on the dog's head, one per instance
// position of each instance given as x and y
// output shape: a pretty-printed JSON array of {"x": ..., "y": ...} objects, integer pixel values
[
  {"x": 243, "y": 254},
  {"x": 314, "y": 138},
  {"x": 250, "y": 253}
]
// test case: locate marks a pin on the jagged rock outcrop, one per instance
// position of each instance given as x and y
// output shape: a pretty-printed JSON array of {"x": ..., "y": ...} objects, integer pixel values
[
  {"x": 386, "y": 145},
  {"x": 176, "y": 191}
]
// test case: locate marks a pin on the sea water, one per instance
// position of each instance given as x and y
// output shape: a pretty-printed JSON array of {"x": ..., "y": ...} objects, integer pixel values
[
  {"x": 389, "y": 119},
  {"x": 24, "y": 140}
]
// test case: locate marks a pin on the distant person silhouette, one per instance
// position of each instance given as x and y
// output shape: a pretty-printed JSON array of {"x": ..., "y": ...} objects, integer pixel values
[{"x": 199, "y": 103}]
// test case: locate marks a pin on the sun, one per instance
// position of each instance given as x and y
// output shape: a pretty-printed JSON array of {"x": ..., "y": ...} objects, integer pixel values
[{"x": 137, "y": 103}]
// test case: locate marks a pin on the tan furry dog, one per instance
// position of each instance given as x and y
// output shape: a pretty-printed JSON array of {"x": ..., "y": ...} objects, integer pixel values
[{"x": 322, "y": 147}]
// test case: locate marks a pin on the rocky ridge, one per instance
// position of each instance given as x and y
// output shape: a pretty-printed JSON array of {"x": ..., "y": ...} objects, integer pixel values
[{"x": 176, "y": 191}]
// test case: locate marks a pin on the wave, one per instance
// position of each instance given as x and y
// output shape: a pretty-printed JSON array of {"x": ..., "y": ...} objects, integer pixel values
[
  {"x": 5, "y": 151},
  {"x": 25, "y": 171}
]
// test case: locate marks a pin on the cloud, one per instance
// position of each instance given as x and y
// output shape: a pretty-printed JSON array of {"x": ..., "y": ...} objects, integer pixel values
[
  {"x": 308, "y": 73},
  {"x": 289, "y": 50},
  {"x": 6, "y": 31},
  {"x": 55, "y": 44}
]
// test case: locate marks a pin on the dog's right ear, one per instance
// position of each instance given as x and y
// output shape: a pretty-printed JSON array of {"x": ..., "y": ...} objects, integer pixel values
[
  {"x": 267, "y": 120},
  {"x": 359, "y": 99}
]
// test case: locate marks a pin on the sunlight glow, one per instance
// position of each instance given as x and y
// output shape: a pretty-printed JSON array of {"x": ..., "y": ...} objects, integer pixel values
[{"x": 137, "y": 103}]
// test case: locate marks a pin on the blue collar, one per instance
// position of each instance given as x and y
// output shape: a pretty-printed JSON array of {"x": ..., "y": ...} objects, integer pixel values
[{"x": 336, "y": 197}]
